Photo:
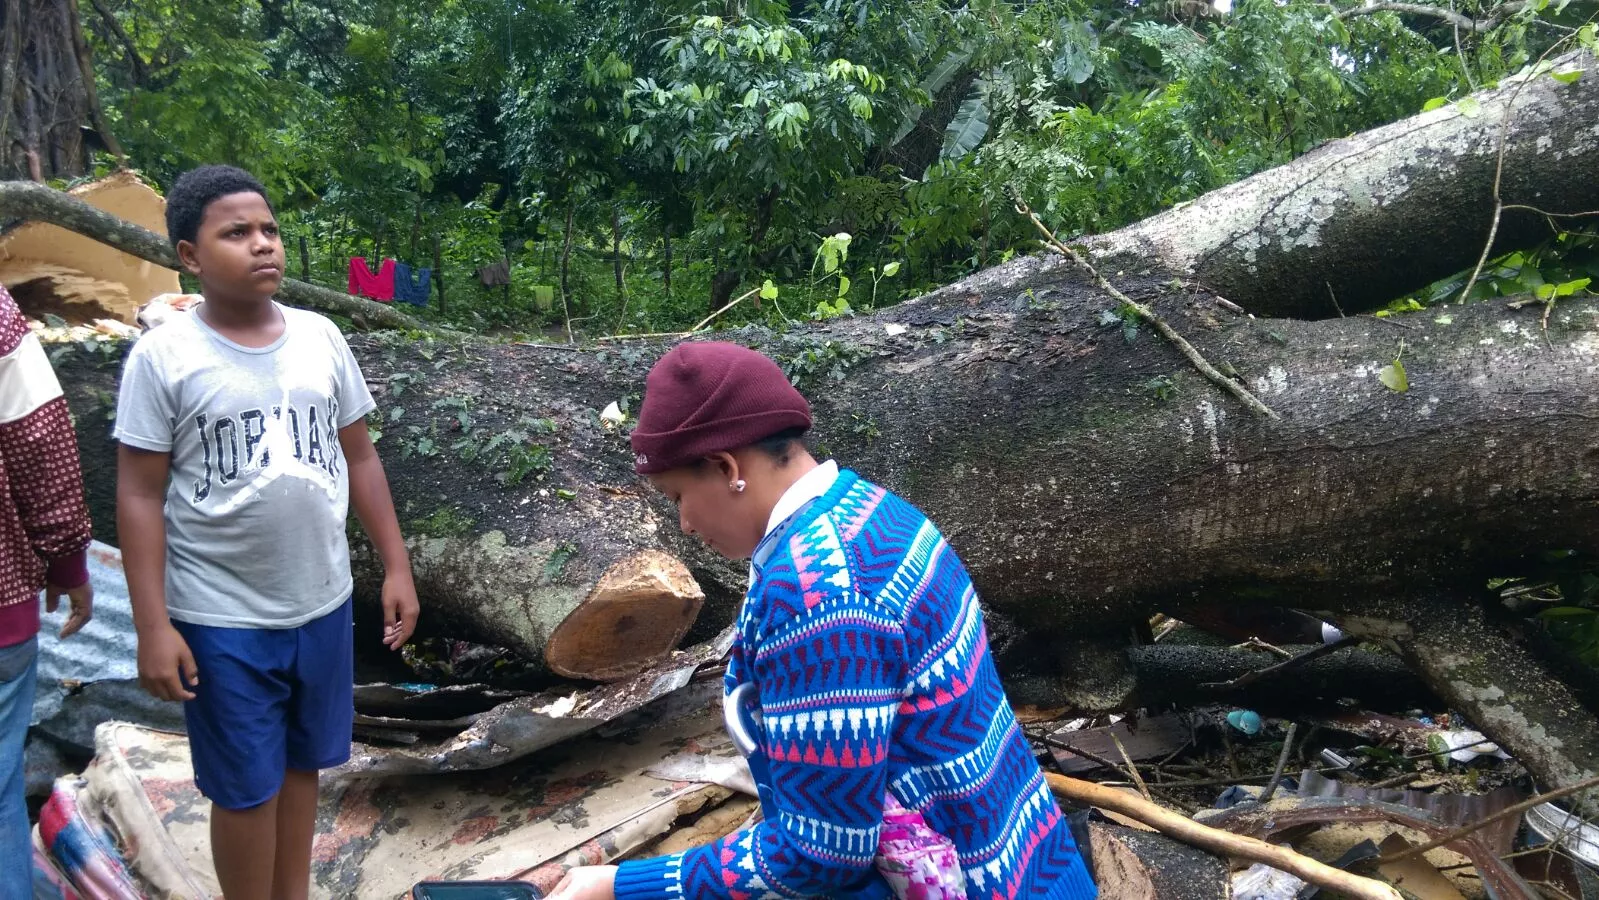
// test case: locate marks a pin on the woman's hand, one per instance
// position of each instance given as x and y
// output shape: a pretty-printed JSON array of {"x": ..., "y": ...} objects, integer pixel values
[{"x": 587, "y": 883}]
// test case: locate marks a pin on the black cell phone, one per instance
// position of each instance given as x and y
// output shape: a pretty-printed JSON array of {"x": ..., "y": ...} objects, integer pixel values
[{"x": 475, "y": 890}]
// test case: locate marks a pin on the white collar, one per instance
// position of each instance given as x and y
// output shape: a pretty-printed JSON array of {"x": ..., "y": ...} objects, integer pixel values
[{"x": 811, "y": 485}]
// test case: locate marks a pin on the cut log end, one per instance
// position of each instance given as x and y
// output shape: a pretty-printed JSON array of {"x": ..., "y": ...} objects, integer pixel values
[{"x": 633, "y": 619}]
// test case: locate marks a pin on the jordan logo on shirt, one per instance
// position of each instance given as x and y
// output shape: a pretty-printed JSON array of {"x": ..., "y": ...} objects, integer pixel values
[{"x": 236, "y": 445}]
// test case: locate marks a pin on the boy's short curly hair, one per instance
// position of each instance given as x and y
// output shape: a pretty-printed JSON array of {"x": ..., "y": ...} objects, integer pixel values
[{"x": 196, "y": 189}]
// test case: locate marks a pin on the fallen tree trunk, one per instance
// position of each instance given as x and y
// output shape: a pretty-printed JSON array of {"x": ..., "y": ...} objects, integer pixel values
[
  {"x": 41, "y": 203},
  {"x": 1087, "y": 480},
  {"x": 1298, "y": 241}
]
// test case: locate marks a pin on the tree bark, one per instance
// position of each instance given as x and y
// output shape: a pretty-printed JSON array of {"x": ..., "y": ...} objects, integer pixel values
[
  {"x": 11, "y": 38},
  {"x": 1086, "y": 480},
  {"x": 45, "y": 97},
  {"x": 1287, "y": 241},
  {"x": 40, "y": 203}
]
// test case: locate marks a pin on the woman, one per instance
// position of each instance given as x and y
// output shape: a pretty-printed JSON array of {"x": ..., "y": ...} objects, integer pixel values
[{"x": 861, "y": 649}]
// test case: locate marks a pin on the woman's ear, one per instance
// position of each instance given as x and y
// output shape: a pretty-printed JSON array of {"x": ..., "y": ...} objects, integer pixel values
[{"x": 727, "y": 466}]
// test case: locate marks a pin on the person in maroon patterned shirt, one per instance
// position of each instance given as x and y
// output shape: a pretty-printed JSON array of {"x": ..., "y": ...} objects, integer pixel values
[{"x": 44, "y": 538}]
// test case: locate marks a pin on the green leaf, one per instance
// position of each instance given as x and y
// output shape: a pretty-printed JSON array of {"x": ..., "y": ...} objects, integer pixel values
[
  {"x": 969, "y": 126},
  {"x": 1556, "y": 612},
  {"x": 1570, "y": 77},
  {"x": 1544, "y": 291},
  {"x": 768, "y": 290},
  {"x": 1435, "y": 103},
  {"x": 1566, "y": 289},
  {"x": 1469, "y": 107},
  {"x": 1445, "y": 319},
  {"x": 890, "y": 269},
  {"x": 1393, "y": 377},
  {"x": 54, "y": 321},
  {"x": 843, "y": 285}
]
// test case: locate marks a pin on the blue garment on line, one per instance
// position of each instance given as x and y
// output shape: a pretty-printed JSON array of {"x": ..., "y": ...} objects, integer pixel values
[{"x": 412, "y": 290}]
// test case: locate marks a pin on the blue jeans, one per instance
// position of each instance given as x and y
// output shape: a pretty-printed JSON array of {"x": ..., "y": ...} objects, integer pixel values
[{"x": 18, "y": 665}]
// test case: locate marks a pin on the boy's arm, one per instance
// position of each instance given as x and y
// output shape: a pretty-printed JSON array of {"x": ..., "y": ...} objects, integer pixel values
[
  {"x": 165, "y": 663},
  {"x": 374, "y": 506}
]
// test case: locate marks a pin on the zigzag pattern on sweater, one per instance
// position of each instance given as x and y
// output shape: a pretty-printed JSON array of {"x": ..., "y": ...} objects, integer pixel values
[{"x": 864, "y": 637}]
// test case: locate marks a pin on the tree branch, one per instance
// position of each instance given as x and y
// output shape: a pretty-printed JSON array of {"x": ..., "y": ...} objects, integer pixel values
[
  {"x": 37, "y": 202},
  {"x": 91, "y": 91},
  {"x": 135, "y": 61},
  {"x": 1459, "y": 20},
  {"x": 1148, "y": 315},
  {"x": 1217, "y": 841}
]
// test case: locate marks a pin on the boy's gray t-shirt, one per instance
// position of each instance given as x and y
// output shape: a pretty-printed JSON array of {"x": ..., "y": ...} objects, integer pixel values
[{"x": 256, "y": 505}]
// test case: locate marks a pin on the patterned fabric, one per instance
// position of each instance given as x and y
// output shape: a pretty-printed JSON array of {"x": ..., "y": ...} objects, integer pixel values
[
  {"x": 864, "y": 637},
  {"x": 916, "y": 861},
  {"x": 44, "y": 524}
]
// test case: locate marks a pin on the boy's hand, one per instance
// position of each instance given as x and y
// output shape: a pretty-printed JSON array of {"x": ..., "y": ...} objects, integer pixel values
[
  {"x": 165, "y": 664},
  {"x": 79, "y": 599},
  {"x": 400, "y": 609}
]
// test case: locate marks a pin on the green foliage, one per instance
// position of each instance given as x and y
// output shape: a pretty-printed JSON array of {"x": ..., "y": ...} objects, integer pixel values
[{"x": 576, "y": 138}]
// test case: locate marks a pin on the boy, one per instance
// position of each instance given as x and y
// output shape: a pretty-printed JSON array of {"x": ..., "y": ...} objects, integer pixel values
[
  {"x": 44, "y": 530},
  {"x": 241, "y": 587}
]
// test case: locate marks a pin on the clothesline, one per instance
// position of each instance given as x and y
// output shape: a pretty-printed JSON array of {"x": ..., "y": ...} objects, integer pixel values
[{"x": 393, "y": 281}]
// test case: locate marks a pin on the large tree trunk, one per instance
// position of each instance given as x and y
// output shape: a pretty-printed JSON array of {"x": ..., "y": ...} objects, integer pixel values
[
  {"x": 47, "y": 92},
  {"x": 1360, "y": 221},
  {"x": 1086, "y": 480}
]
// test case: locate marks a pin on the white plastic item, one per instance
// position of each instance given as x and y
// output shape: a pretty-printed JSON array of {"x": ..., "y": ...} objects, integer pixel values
[
  {"x": 1578, "y": 837},
  {"x": 1262, "y": 882},
  {"x": 1464, "y": 746}
]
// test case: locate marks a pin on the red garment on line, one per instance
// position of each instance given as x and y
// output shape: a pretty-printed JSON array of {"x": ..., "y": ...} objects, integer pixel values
[{"x": 363, "y": 283}]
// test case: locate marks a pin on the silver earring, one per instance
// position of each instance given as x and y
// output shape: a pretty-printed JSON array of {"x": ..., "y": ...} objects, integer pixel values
[{"x": 737, "y": 486}]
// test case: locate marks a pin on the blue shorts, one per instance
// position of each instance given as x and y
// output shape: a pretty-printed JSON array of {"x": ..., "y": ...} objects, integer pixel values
[{"x": 269, "y": 700}]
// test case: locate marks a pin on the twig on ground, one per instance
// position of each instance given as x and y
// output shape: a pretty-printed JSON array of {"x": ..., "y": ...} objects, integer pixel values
[
  {"x": 1505, "y": 813},
  {"x": 1258, "y": 644},
  {"x": 1148, "y": 315},
  {"x": 1282, "y": 760},
  {"x": 1335, "y": 300},
  {"x": 1131, "y": 769},
  {"x": 1291, "y": 662},
  {"x": 1395, "y": 781},
  {"x": 1232, "y": 307},
  {"x": 1059, "y": 744},
  {"x": 681, "y": 334},
  {"x": 1553, "y": 215},
  {"x": 1221, "y": 782},
  {"x": 1221, "y": 842}
]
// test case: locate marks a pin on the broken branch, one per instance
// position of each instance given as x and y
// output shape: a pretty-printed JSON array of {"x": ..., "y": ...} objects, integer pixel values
[
  {"x": 1148, "y": 315},
  {"x": 1289, "y": 663},
  {"x": 1218, "y": 841}
]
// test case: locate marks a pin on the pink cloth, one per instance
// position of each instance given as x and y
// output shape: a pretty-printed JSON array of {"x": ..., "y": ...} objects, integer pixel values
[
  {"x": 916, "y": 861},
  {"x": 363, "y": 283}
]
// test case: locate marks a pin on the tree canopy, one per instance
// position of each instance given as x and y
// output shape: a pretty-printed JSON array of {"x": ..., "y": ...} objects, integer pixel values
[{"x": 638, "y": 165}]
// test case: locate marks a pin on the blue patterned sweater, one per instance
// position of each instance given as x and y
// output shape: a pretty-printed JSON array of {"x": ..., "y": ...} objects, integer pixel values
[{"x": 863, "y": 635}]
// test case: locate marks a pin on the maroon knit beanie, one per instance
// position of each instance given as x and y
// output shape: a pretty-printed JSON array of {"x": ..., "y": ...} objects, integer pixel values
[{"x": 709, "y": 397}]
